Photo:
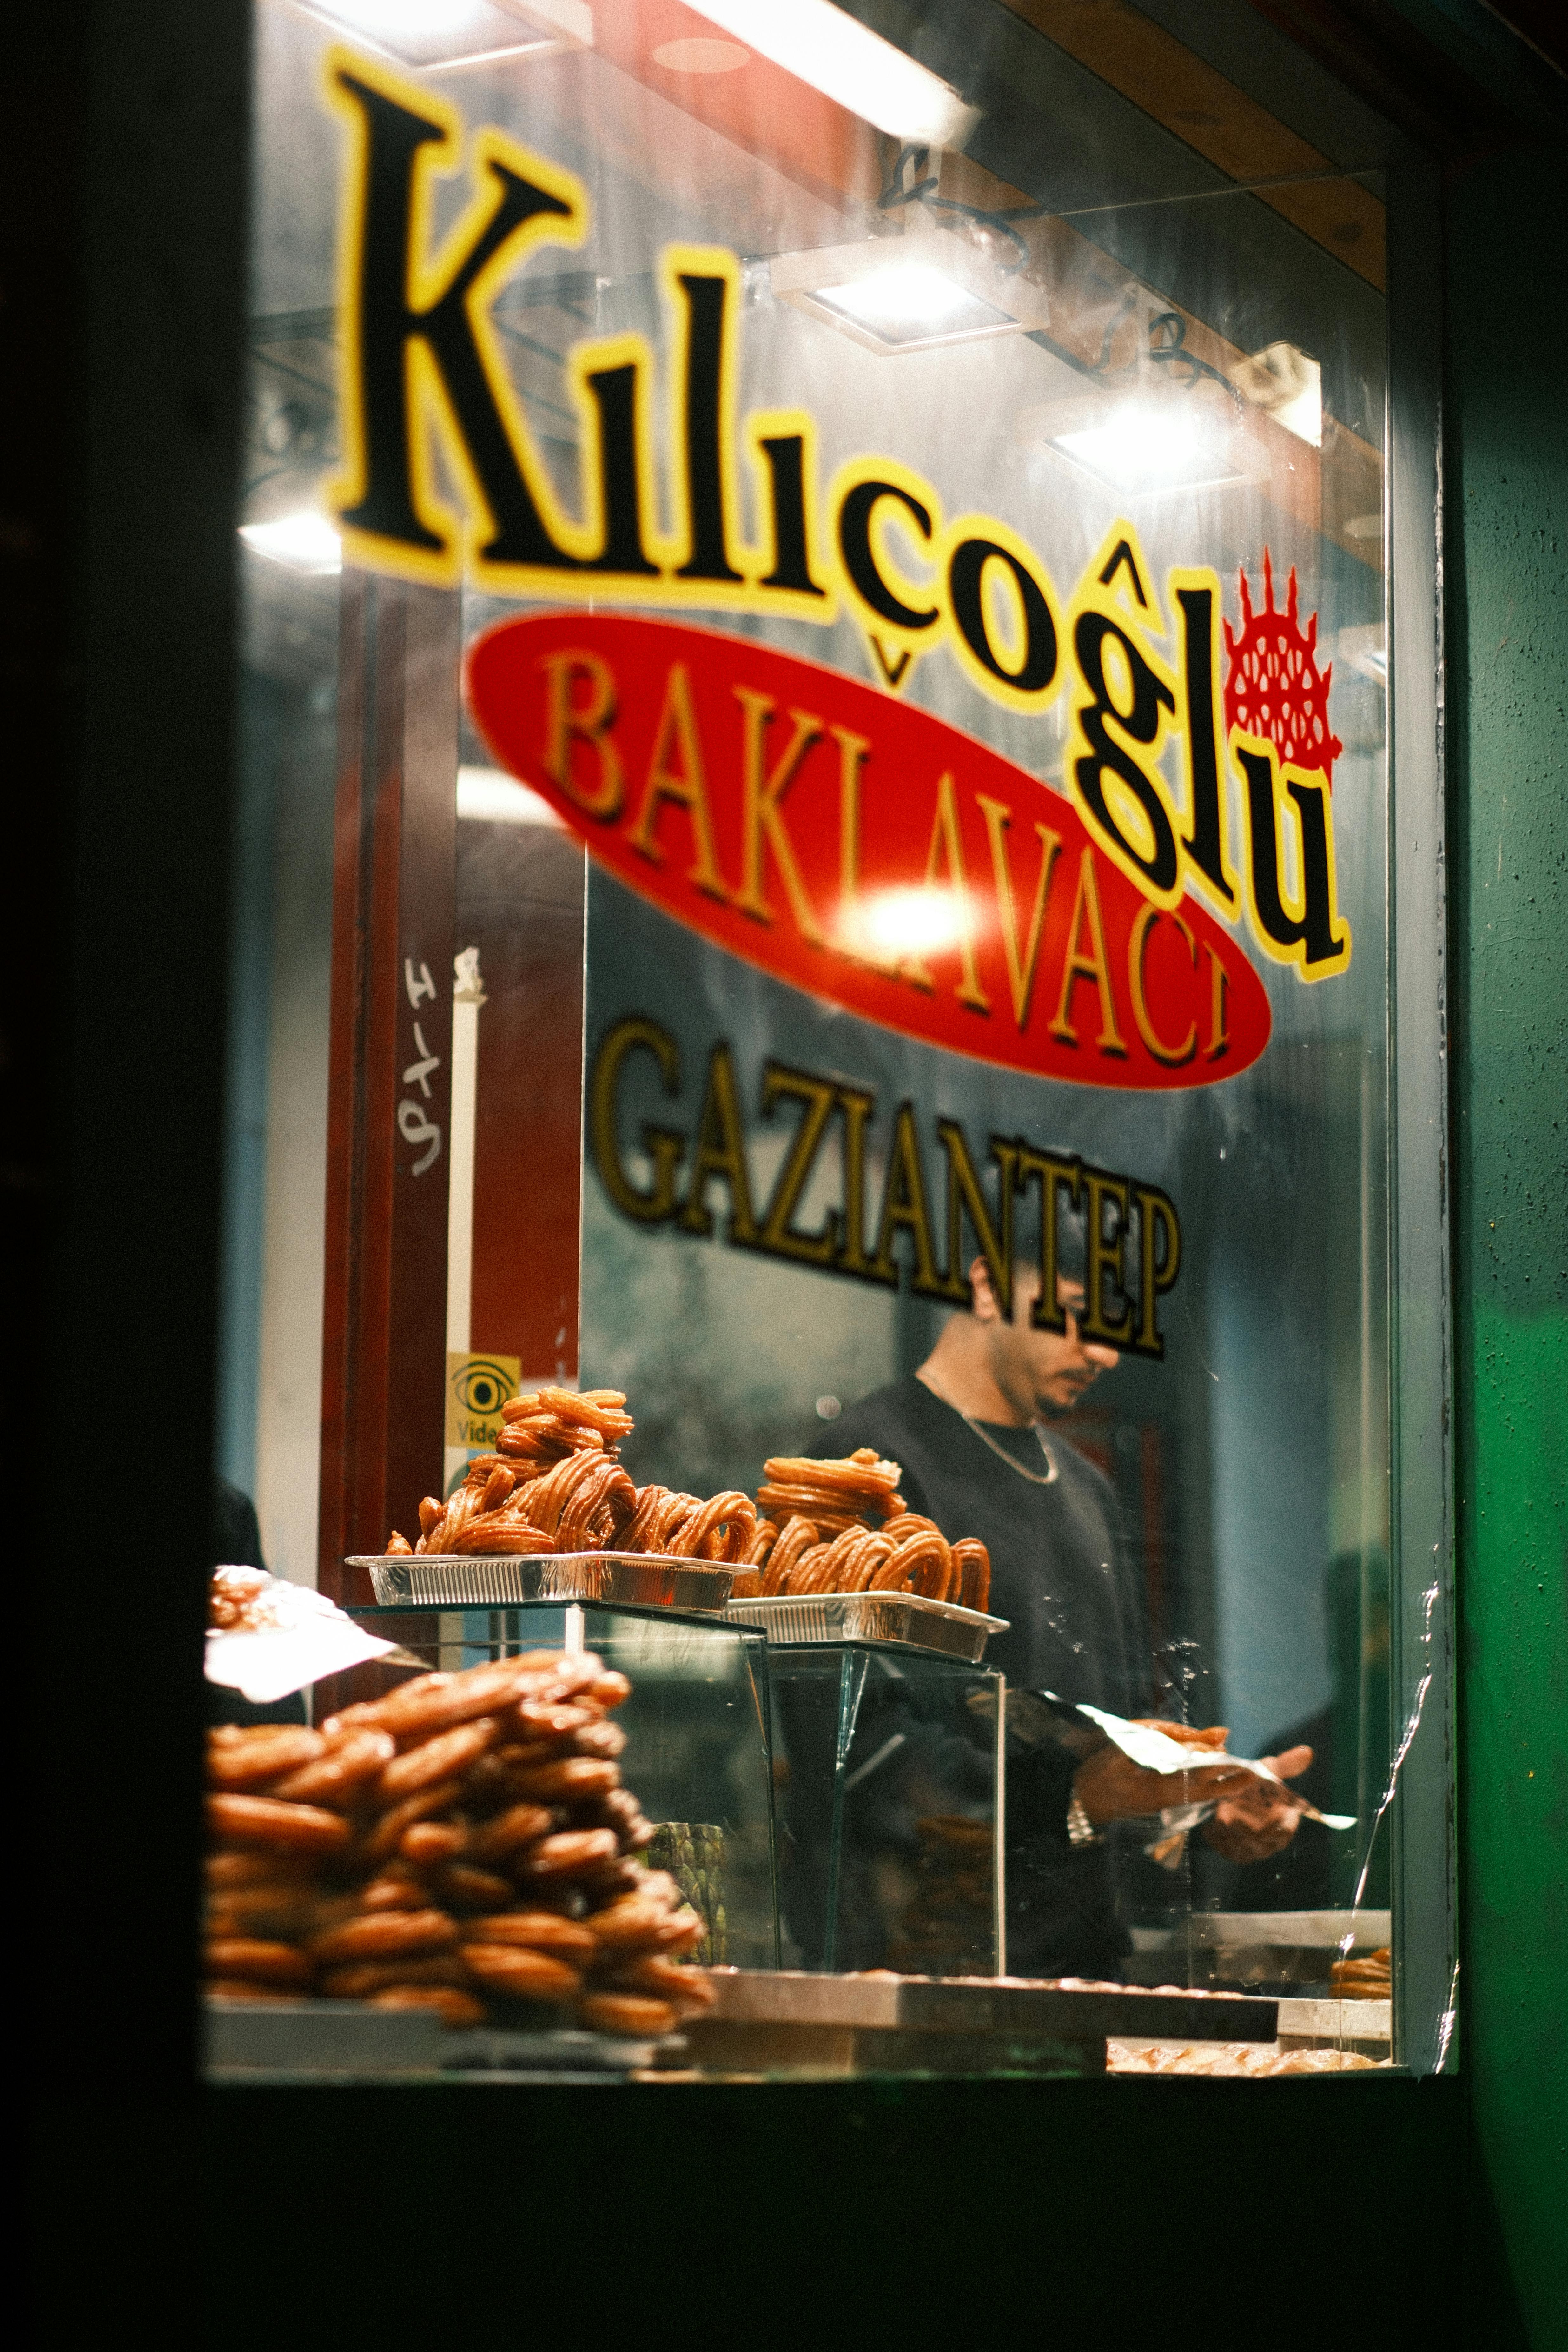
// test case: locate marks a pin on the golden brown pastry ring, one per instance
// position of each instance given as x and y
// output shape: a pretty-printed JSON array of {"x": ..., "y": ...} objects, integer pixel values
[
  {"x": 938, "y": 1584},
  {"x": 972, "y": 1560},
  {"x": 797, "y": 1537},
  {"x": 503, "y": 1532},
  {"x": 765, "y": 1535},
  {"x": 601, "y": 1505},
  {"x": 718, "y": 1529}
]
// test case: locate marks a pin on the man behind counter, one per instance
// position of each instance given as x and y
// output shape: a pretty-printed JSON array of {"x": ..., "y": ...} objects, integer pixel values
[{"x": 972, "y": 1430}]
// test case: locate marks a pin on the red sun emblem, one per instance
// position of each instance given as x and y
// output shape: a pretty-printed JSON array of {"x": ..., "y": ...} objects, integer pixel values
[{"x": 1274, "y": 687}]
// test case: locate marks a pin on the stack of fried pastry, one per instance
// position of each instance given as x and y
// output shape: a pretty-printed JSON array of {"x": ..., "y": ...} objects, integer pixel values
[
  {"x": 842, "y": 1527},
  {"x": 463, "y": 1845},
  {"x": 555, "y": 1484},
  {"x": 1363, "y": 1976}
]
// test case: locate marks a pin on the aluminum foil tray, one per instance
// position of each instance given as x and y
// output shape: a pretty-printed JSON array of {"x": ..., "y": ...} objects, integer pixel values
[
  {"x": 494, "y": 1579},
  {"x": 901, "y": 1617},
  {"x": 545, "y": 2055}
]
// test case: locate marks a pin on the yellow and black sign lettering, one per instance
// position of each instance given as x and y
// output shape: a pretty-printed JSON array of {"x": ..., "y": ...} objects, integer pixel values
[
  {"x": 1132, "y": 1234},
  {"x": 425, "y": 391}
]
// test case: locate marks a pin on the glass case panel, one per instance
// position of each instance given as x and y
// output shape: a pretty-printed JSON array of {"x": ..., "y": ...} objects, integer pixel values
[
  {"x": 890, "y": 1825},
  {"x": 697, "y": 1752}
]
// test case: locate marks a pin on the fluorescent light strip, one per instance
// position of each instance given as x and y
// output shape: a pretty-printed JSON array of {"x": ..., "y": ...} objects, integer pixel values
[{"x": 849, "y": 63}]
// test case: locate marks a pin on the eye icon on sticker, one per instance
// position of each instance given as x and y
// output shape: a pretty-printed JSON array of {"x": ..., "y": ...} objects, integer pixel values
[
  {"x": 482, "y": 1386},
  {"x": 477, "y": 1389}
]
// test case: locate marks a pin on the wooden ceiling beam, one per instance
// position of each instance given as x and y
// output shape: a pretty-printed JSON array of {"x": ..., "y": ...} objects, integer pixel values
[{"x": 1199, "y": 106}]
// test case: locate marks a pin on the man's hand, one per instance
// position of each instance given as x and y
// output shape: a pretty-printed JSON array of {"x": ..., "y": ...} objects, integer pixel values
[
  {"x": 1111, "y": 1788},
  {"x": 1260, "y": 1820},
  {"x": 1252, "y": 1818}
]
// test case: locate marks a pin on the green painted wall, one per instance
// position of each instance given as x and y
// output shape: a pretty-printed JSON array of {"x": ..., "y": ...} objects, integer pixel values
[{"x": 1507, "y": 618}]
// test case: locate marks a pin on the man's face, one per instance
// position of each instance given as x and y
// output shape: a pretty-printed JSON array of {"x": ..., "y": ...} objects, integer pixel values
[{"x": 1045, "y": 1372}]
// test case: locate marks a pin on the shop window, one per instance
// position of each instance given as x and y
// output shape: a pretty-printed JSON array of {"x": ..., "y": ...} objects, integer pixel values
[{"x": 816, "y": 784}]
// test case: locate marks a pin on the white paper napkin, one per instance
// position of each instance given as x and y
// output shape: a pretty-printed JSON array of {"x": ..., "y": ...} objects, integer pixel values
[
  {"x": 307, "y": 1637},
  {"x": 1157, "y": 1752}
]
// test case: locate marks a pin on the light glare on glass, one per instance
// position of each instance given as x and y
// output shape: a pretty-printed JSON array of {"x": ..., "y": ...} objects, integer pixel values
[
  {"x": 911, "y": 922},
  {"x": 304, "y": 542},
  {"x": 489, "y": 796}
]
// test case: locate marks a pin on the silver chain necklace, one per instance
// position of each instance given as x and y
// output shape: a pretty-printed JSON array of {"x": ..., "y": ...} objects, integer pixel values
[{"x": 1047, "y": 1477}]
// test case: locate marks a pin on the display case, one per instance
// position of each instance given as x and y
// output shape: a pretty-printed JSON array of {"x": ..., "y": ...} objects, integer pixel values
[
  {"x": 699, "y": 1741},
  {"x": 887, "y": 1767}
]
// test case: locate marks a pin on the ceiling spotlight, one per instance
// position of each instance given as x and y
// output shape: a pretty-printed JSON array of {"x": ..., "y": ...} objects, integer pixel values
[
  {"x": 849, "y": 63},
  {"x": 303, "y": 542},
  {"x": 909, "y": 302},
  {"x": 1144, "y": 445},
  {"x": 913, "y": 292},
  {"x": 1139, "y": 451},
  {"x": 444, "y": 34},
  {"x": 1290, "y": 385}
]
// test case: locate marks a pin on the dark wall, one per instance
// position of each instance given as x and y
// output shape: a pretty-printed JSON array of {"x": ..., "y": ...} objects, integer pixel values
[
  {"x": 126, "y": 165},
  {"x": 1299, "y": 2212},
  {"x": 1508, "y": 861}
]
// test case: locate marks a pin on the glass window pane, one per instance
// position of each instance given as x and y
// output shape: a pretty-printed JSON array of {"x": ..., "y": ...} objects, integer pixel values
[{"x": 815, "y": 852}]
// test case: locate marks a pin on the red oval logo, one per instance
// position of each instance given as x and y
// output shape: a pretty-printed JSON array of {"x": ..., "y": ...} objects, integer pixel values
[{"x": 862, "y": 850}]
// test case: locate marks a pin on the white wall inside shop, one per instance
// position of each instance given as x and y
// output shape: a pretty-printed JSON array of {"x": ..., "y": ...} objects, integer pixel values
[
  {"x": 289, "y": 1403},
  {"x": 1298, "y": 1371},
  {"x": 1270, "y": 1520},
  {"x": 270, "y": 1338}
]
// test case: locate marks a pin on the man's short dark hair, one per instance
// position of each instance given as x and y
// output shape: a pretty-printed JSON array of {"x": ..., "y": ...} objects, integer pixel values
[
  {"x": 1071, "y": 1252},
  {"x": 1072, "y": 1255}
]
